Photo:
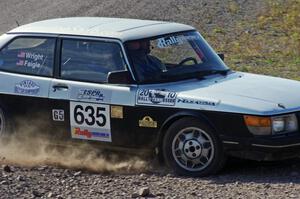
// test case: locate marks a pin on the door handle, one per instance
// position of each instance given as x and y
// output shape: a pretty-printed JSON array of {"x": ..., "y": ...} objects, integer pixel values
[{"x": 60, "y": 87}]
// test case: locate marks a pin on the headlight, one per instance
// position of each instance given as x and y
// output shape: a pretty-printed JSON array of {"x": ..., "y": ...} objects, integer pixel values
[
  {"x": 278, "y": 124},
  {"x": 271, "y": 125},
  {"x": 284, "y": 124}
]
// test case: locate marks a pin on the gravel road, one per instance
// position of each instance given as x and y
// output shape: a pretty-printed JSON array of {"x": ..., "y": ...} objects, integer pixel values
[{"x": 240, "y": 179}]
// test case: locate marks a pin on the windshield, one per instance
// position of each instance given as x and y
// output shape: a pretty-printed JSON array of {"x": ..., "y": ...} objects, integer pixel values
[{"x": 173, "y": 57}]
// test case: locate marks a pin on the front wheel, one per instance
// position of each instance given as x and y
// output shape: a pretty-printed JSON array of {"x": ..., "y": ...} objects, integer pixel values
[{"x": 192, "y": 148}]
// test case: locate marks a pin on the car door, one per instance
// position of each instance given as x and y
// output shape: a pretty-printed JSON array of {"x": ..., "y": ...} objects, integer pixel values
[
  {"x": 26, "y": 70},
  {"x": 85, "y": 107}
]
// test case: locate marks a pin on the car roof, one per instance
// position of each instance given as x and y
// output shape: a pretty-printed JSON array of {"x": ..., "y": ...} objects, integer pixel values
[{"x": 118, "y": 28}]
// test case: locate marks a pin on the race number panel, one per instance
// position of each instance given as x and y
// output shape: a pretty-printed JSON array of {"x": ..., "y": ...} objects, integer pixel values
[{"x": 90, "y": 121}]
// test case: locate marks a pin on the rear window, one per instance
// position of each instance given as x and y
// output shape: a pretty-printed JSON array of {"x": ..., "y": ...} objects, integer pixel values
[
  {"x": 26, "y": 55},
  {"x": 90, "y": 61}
]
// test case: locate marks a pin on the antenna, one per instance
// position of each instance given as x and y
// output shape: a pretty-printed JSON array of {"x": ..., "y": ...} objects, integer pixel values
[{"x": 17, "y": 23}]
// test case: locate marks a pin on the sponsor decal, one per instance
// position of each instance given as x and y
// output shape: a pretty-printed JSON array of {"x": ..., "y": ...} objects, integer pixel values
[
  {"x": 91, "y": 94},
  {"x": 87, "y": 134},
  {"x": 156, "y": 97},
  {"x": 27, "y": 87},
  {"x": 58, "y": 115},
  {"x": 31, "y": 60},
  {"x": 116, "y": 112},
  {"x": 95, "y": 94},
  {"x": 148, "y": 122},
  {"x": 199, "y": 102}
]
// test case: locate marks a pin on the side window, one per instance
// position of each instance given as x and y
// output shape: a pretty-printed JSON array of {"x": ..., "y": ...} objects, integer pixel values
[
  {"x": 90, "y": 60},
  {"x": 28, "y": 55}
]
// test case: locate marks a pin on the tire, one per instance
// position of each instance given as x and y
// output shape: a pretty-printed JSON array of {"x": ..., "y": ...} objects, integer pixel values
[
  {"x": 192, "y": 148},
  {"x": 5, "y": 124}
]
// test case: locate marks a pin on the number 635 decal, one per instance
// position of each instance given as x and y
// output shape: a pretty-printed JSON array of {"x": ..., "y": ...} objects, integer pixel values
[{"x": 89, "y": 116}]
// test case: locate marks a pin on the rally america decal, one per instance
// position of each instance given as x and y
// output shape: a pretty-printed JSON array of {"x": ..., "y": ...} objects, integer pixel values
[
  {"x": 165, "y": 42},
  {"x": 170, "y": 41},
  {"x": 156, "y": 97},
  {"x": 90, "y": 121}
]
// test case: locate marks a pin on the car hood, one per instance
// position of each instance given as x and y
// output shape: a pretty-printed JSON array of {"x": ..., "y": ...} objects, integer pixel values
[{"x": 238, "y": 93}]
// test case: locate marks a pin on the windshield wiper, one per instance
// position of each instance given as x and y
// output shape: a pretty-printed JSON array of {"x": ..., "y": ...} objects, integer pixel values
[
  {"x": 168, "y": 76},
  {"x": 213, "y": 72},
  {"x": 224, "y": 72}
]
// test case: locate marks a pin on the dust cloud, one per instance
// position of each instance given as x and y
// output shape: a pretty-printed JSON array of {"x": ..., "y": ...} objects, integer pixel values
[{"x": 32, "y": 150}]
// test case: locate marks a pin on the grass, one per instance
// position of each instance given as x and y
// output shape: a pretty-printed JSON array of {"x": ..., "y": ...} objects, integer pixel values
[
  {"x": 268, "y": 45},
  {"x": 233, "y": 7}
]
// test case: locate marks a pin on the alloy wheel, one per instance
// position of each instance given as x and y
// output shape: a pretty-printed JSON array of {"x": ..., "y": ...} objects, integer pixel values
[{"x": 193, "y": 149}]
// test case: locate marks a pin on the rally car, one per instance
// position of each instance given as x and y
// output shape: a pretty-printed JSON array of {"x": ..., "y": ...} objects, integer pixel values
[{"x": 145, "y": 86}]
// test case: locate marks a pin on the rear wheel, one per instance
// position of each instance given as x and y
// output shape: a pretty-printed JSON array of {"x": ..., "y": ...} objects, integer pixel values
[
  {"x": 5, "y": 125},
  {"x": 2, "y": 123},
  {"x": 192, "y": 148}
]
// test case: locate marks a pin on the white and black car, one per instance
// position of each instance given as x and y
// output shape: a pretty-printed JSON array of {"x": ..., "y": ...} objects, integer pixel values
[{"x": 146, "y": 86}]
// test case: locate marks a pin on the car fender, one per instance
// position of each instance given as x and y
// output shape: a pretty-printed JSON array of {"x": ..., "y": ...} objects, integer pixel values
[{"x": 170, "y": 120}]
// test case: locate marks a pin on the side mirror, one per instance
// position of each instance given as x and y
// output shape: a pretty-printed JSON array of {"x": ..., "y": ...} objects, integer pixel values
[
  {"x": 119, "y": 77},
  {"x": 222, "y": 56}
]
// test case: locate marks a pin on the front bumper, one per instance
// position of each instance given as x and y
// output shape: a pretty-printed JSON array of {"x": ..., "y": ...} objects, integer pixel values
[{"x": 259, "y": 148}]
